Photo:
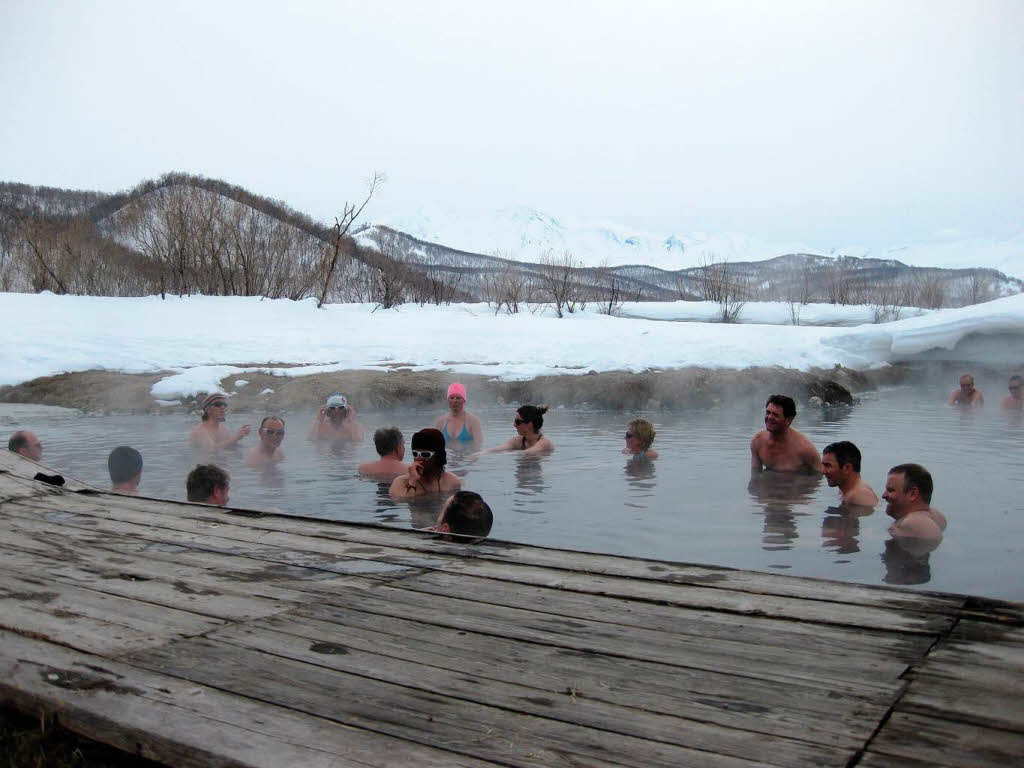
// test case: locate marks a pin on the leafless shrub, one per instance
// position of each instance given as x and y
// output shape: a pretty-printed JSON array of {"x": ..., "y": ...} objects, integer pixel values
[
  {"x": 342, "y": 223},
  {"x": 559, "y": 283},
  {"x": 722, "y": 285},
  {"x": 930, "y": 291},
  {"x": 611, "y": 297}
]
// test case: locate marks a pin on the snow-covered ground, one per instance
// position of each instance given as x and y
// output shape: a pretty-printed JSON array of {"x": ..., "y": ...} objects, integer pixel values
[
  {"x": 764, "y": 312},
  {"x": 204, "y": 339}
]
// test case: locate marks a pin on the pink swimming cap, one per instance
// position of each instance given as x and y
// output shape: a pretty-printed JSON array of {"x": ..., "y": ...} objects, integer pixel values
[{"x": 457, "y": 389}]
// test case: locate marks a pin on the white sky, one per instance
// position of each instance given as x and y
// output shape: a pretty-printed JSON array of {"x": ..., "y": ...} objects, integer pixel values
[{"x": 869, "y": 122}]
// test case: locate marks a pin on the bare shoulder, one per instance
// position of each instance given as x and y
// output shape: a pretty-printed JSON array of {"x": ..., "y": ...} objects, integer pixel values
[
  {"x": 651, "y": 453},
  {"x": 451, "y": 482}
]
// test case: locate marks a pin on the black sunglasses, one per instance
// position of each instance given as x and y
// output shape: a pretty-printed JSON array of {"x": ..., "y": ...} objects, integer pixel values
[
  {"x": 630, "y": 435},
  {"x": 272, "y": 431},
  {"x": 217, "y": 404},
  {"x": 519, "y": 421}
]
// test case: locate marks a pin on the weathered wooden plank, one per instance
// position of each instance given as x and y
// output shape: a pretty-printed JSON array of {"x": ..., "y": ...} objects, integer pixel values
[
  {"x": 795, "y": 710},
  {"x": 935, "y": 741},
  {"x": 185, "y": 724},
  {"x": 439, "y": 678},
  {"x": 818, "y": 610},
  {"x": 965, "y": 702},
  {"x": 476, "y": 730},
  {"x": 87, "y": 620}
]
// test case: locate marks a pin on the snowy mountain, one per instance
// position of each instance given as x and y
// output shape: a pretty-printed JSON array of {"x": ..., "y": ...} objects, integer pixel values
[{"x": 524, "y": 234}]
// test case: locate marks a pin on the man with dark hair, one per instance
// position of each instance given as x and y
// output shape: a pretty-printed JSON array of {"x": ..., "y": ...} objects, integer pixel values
[
  {"x": 210, "y": 434},
  {"x": 466, "y": 516},
  {"x": 208, "y": 484},
  {"x": 125, "y": 467},
  {"x": 268, "y": 450},
  {"x": 390, "y": 445},
  {"x": 908, "y": 491},
  {"x": 25, "y": 443},
  {"x": 778, "y": 446},
  {"x": 967, "y": 396},
  {"x": 840, "y": 464},
  {"x": 1015, "y": 400}
]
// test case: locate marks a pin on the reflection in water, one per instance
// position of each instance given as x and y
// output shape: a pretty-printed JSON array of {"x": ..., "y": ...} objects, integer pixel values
[
  {"x": 840, "y": 528},
  {"x": 638, "y": 472},
  {"x": 424, "y": 510},
  {"x": 530, "y": 474},
  {"x": 906, "y": 560},
  {"x": 776, "y": 493}
]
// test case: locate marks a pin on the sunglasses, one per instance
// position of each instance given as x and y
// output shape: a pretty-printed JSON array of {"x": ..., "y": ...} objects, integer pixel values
[
  {"x": 336, "y": 408},
  {"x": 519, "y": 421},
  {"x": 630, "y": 435},
  {"x": 218, "y": 404},
  {"x": 272, "y": 431},
  {"x": 418, "y": 454}
]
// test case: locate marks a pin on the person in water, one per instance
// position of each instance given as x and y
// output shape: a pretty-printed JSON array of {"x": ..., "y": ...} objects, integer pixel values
[
  {"x": 1015, "y": 400},
  {"x": 778, "y": 446},
  {"x": 466, "y": 516},
  {"x": 210, "y": 434},
  {"x": 459, "y": 425},
  {"x": 908, "y": 491},
  {"x": 125, "y": 466},
  {"x": 840, "y": 464},
  {"x": 528, "y": 422},
  {"x": 390, "y": 445},
  {"x": 336, "y": 420},
  {"x": 25, "y": 443},
  {"x": 639, "y": 436},
  {"x": 426, "y": 474},
  {"x": 967, "y": 396},
  {"x": 267, "y": 451},
  {"x": 208, "y": 484}
]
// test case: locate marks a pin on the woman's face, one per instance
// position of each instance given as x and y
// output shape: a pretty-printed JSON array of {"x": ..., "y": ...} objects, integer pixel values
[
  {"x": 456, "y": 403},
  {"x": 523, "y": 427},
  {"x": 633, "y": 443},
  {"x": 425, "y": 457}
]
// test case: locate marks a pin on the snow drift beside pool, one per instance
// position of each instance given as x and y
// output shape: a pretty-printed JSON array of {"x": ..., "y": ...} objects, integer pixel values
[{"x": 204, "y": 339}]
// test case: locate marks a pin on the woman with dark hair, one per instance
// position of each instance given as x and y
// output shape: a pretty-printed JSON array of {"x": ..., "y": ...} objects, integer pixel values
[
  {"x": 528, "y": 423},
  {"x": 426, "y": 473}
]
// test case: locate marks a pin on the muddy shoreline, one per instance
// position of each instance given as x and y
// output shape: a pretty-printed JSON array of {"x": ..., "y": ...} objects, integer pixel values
[{"x": 111, "y": 392}]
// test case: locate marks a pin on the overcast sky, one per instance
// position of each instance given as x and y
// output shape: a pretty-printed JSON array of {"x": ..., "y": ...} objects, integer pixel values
[{"x": 869, "y": 122}]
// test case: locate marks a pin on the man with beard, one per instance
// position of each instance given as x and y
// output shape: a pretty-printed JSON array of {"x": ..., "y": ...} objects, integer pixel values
[
  {"x": 210, "y": 435},
  {"x": 908, "y": 491},
  {"x": 778, "y": 446},
  {"x": 268, "y": 451},
  {"x": 840, "y": 464}
]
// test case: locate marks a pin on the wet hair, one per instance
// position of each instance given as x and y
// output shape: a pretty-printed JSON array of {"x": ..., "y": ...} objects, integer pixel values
[
  {"x": 271, "y": 418},
  {"x": 845, "y": 453},
  {"x": 643, "y": 430},
  {"x": 387, "y": 439},
  {"x": 431, "y": 439},
  {"x": 124, "y": 463},
  {"x": 915, "y": 476},
  {"x": 18, "y": 441},
  {"x": 533, "y": 414},
  {"x": 203, "y": 480},
  {"x": 969, "y": 377},
  {"x": 1016, "y": 378},
  {"x": 785, "y": 402},
  {"x": 468, "y": 514}
]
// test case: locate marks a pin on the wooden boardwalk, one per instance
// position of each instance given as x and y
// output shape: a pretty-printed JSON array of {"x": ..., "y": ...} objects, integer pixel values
[{"x": 198, "y": 636}]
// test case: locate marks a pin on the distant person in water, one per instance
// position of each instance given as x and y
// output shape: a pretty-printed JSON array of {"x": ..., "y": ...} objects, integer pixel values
[
  {"x": 267, "y": 451},
  {"x": 840, "y": 464},
  {"x": 528, "y": 422},
  {"x": 125, "y": 466},
  {"x": 1015, "y": 400},
  {"x": 336, "y": 420},
  {"x": 966, "y": 395},
  {"x": 908, "y": 491},
  {"x": 210, "y": 434},
  {"x": 390, "y": 445},
  {"x": 639, "y": 436},
  {"x": 778, "y": 446},
  {"x": 459, "y": 425},
  {"x": 208, "y": 484},
  {"x": 426, "y": 474},
  {"x": 466, "y": 516},
  {"x": 25, "y": 443}
]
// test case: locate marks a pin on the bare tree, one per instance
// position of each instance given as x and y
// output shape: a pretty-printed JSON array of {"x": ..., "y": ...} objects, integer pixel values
[
  {"x": 611, "y": 290},
  {"x": 560, "y": 285},
  {"x": 930, "y": 291},
  {"x": 342, "y": 224},
  {"x": 977, "y": 288},
  {"x": 728, "y": 289}
]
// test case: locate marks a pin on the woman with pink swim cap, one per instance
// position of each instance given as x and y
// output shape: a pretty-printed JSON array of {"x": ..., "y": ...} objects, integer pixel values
[{"x": 459, "y": 425}]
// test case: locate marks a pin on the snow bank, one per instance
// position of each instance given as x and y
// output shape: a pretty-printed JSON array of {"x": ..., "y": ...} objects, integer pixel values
[
  {"x": 200, "y": 340},
  {"x": 764, "y": 312}
]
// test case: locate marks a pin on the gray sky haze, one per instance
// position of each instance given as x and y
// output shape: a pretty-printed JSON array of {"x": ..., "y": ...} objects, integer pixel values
[{"x": 864, "y": 121}]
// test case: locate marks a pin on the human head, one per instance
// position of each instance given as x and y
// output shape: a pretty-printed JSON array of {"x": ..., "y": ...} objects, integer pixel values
[
  {"x": 465, "y": 514},
  {"x": 388, "y": 440},
  {"x": 907, "y": 487},
  {"x": 967, "y": 383},
  {"x": 779, "y": 412},
  {"x": 531, "y": 414},
  {"x": 456, "y": 390},
  {"x": 215, "y": 405},
  {"x": 125, "y": 466},
  {"x": 430, "y": 439},
  {"x": 842, "y": 454},
  {"x": 26, "y": 444},
  {"x": 272, "y": 431},
  {"x": 208, "y": 484},
  {"x": 642, "y": 431},
  {"x": 1016, "y": 385},
  {"x": 337, "y": 406}
]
